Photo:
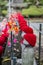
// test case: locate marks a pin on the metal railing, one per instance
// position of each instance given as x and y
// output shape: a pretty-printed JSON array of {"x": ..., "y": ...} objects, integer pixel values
[{"x": 40, "y": 34}]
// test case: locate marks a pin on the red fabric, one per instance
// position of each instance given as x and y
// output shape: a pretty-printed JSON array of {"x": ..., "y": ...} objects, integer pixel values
[
  {"x": 5, "y": 30},
  {"x": 1, "y": 50},
  {"x": 20, "y": 16},
  {"x": 2, "y": 40},
  {"x": 23, "y": 20},
  {"x": 31, "y": 39},
  {"x": 27, "y": 29},
  {"x": 23, "y": 25},
  {"x": 5, "y": 35}
]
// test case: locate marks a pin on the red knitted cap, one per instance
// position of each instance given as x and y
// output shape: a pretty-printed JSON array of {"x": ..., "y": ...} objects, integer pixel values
[
  {"x": 27, "y": 29},
  {"x": 23, "y": 20},
  {"x": 22, "y": 23},
  {"x": 20, "y": 17},
  {"x": 31, "y": 39}
]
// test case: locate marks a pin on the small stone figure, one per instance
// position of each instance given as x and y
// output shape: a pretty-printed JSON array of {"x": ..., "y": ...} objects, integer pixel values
[{"x": 28, "y": 52}]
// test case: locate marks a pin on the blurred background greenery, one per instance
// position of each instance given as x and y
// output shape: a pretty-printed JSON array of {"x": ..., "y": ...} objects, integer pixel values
[
  {"x": 3, "y": 8},
  {"x": 35, "y": 8}
]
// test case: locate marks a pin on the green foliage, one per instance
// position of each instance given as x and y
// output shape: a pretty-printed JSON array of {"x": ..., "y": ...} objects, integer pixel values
[
  {"x": 41, "y": 1},
  {"x": 4, "y": 12},
  {"x": 33, "y": 10},
  {"x": 26, "y": 0},
  {"x": 33, "y": 1},
  {"x": 3, "y": 3},
  {"x": 3, "y": 6}
]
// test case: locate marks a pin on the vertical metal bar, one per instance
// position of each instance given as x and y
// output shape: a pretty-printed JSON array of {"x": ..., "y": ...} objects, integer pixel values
[
  {"x": 11, "y": 45},
  {"x": 11, "y": 49},
  {"x": 13, "y": 58},
  {"x": 40, "y": 26}
]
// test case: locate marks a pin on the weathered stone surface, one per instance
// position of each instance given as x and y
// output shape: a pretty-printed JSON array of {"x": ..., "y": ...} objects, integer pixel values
[{"x": 18, "y": 1}]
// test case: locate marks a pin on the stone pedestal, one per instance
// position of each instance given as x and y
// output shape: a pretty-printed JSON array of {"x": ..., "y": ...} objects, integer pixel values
[{"x": 18, "y": 1}]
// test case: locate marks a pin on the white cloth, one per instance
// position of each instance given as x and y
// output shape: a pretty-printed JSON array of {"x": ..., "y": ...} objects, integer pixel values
[
  {"x": 20, "y": 61},
  {"x": 34, "y": 63},
  {"x": 23, "y": 33},
  {"x": 28, "y": 56}
]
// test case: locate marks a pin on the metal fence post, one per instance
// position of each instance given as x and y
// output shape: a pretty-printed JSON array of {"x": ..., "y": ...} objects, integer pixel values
[
  {"x": 13, "y": 58},
  {"x": 40, "y": 27},
  {"x": 11, "y": 49}
]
